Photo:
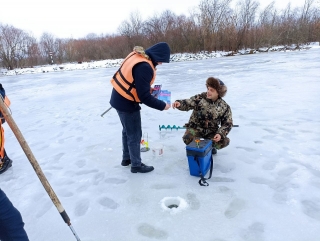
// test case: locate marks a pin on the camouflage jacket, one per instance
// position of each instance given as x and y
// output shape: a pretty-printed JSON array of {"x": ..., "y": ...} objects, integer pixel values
[{"x": 208, "y": 117}]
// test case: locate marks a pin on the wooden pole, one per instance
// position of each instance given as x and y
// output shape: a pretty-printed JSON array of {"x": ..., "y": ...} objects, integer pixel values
[{"x": 35, "y": 165}]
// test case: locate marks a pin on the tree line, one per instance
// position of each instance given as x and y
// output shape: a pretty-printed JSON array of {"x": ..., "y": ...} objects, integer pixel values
[{"x": 211, "y": 26}]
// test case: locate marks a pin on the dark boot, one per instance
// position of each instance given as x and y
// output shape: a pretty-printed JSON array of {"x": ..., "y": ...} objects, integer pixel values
[
  {"x": 214, "y": 151},
  {"x": 125, "y": 163},
  {"x": 6, "y": 164},
  {"x": 142, "y": 169}
]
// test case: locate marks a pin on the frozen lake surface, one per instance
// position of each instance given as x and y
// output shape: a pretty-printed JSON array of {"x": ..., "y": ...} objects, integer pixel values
[{"x": 265, "y": 186}]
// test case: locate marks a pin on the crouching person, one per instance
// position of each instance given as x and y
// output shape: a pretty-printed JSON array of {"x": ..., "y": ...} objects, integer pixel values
[{"x": 211, "y": 117}]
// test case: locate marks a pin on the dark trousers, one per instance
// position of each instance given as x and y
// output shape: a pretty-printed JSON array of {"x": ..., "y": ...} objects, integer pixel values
[
  {"x": 11, "y": 224},
  {"x": 131, "y": 136}
]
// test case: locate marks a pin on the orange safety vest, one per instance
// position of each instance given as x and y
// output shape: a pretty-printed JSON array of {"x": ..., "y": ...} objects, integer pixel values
[
  {"x": 123, "y": 81},
  {"x": 7, "y": 103}
]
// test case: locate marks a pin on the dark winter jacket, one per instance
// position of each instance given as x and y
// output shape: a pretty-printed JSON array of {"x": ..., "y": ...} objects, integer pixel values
[
  {"x": 143, "y": 74},
  {"x": 11, "y": 223}
]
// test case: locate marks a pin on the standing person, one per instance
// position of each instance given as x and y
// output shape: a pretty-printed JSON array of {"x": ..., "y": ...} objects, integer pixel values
[
  {"x": 211, "y": 117},
  {"x": 5, "y": 161},
  {"x": 11, "y": 223},
  {"x": 132, "y": 87}
]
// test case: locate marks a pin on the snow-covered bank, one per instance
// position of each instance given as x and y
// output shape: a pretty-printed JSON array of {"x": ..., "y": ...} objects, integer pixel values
[{"x": 174, "y": 58}]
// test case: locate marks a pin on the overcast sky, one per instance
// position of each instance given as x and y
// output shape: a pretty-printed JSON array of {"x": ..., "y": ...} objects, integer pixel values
[{"x": 76, "y": 18}]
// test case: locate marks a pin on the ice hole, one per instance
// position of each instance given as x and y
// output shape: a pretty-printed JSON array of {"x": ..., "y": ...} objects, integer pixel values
[{"x": 173, "y": 204}]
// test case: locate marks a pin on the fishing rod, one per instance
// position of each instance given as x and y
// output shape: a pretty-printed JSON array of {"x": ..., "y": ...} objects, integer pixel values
[{"x": 106, "y": 111}]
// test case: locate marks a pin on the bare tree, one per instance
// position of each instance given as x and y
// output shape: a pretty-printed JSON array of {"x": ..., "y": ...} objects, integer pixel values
[
  {"x": 167, "y": 29},
  {"x": 48, "y": 47},
  {"x": 314, "y": 26},
  {"x": 33, "y": 53},
  {"x": 305, "y": 16},
  {"x": 304, "y": 22},
  {"x": 287, "y": 25},
  {"x": 229, "y": 36},
  {"x": 246, "y": 15},
  {"x": 14, "y": 45},
  {"x": 184, "y": 35},
  {"x": 117, "y": 46},
  {"x": 69, "y": 50},
  {"x": 213, "y": 15},
  {"x": 132, "y": 29},
  {"x": 266, "y": 28},
  {"x": 152, "y": 29},
  {"x": 60, "y": 52}
]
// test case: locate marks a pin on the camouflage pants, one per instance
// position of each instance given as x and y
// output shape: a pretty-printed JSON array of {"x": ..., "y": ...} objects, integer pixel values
[{"x": 192, "y": 134}]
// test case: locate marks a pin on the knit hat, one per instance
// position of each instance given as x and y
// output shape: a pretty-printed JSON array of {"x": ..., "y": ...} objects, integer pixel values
[{"x": 220, "y": 82}]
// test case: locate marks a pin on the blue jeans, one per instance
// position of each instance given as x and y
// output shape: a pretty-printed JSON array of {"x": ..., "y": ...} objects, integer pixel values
[
  {"x": 11, "y": 224},
  {"x": 131, "y": 136}
]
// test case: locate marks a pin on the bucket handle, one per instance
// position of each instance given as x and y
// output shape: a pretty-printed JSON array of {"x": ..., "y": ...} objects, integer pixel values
[{"x": 202, "y": 181}]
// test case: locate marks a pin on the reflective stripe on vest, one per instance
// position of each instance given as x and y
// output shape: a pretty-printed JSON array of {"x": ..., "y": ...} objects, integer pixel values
[
  {"x": 1, "y": 141},
  {"x": 123, "y": 81}
]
